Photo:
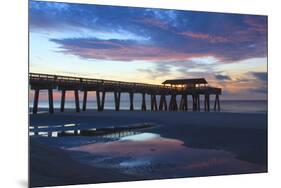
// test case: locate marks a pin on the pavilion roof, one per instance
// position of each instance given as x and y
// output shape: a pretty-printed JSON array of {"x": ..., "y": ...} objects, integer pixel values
[{"x": 186, "y": 81}]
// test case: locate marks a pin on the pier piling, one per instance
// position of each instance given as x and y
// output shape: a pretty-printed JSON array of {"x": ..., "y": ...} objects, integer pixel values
[
  {"x": 163, "y": 103},
  {"x": 173, "y": 106},
  {"x": 35, "y": 102},
  {"x": 103, "y": 100},
  {"x": 76, "y": 100},
  {"x": 85, "y": 100},
  {"x": 131, "y": 94},
  {"x": 194, "y": 102},
  {"x": 183, "y": 102},
  {"x": 117, "y": 96},
  {"x": 51, "y": 102},
  {"x": 207, "y": 102},
  {"x": 217, "y": 103},
  {"x": 98, "y": 100},
  {"x": 153, "y": 102},
  {"x": 198, "y": 102},
  {"x": 143, "y": 103},
  {"x": 62, "y": 100}
]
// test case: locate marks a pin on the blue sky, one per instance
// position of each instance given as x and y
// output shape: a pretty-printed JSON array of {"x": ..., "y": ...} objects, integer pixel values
[{"x": 150, "y": 45}]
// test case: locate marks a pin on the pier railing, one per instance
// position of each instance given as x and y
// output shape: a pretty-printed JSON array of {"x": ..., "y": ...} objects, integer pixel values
[{"x": 58, "y": 80}]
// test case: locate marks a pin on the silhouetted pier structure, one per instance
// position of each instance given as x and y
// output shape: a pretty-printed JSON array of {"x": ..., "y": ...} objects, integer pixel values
[{"x": 173, "y": 88}]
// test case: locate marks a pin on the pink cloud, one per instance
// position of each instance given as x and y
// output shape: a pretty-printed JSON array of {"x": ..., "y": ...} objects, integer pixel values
[
  {"x": 132, "y": 52},
  {"x": 155, "y": 22},
  {"x": 208, "y": 37}
]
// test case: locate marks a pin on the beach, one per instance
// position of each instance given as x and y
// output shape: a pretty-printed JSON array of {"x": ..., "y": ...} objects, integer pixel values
[{"x": 176, "y": 145}]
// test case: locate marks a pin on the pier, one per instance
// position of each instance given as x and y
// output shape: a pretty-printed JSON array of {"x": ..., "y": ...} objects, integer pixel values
[{"x": 196, "y": 89}]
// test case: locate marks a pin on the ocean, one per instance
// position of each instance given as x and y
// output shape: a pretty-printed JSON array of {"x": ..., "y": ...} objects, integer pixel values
[{"x": 234, "y": 106}]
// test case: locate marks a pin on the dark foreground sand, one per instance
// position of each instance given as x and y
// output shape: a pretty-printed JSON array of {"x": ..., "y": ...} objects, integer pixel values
[
  {"x": 53, "y": 166},
  {"x": 244, "y": 135}
]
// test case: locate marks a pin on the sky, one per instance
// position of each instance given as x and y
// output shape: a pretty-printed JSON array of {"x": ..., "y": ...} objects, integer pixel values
[{"x": 150, "y": 46}]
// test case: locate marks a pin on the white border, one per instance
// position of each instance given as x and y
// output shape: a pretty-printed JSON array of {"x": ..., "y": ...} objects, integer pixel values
[{"x": 14, "y": 86}]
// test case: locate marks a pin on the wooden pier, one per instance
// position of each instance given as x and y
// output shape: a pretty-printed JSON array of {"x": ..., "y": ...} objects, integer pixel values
[{"x": 184, "y": 88}]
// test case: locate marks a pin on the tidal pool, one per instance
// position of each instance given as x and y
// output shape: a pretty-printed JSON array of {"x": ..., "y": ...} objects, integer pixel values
[{"x": 151, "y": 156}]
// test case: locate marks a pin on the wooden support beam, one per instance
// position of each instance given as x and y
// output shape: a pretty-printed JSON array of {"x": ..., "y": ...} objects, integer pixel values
[
  {"x": 173, "y": 103},
  {"x": 143, "y": 104},
  {"x": 76, "y": 96},
  {"x": 187, "y": 102},
  {"x": 35, "y": 101},
  {"x": 170, "y": 103},
  {"x": 208, "y": 102},
  {"x": 151, "y": 102},
  {"x": 215, "y": 105},
  {"x": 165, "y": 103},
  {"x": 219, "y": 107},
  {"x": 198, "y": 102},
  {"x": 205, "y": 102},
  {"x": 155, "y": 103},
  {"x": 131, "y": 94},
  {"x": 117, "y": 100},
  {"x": 161, "y": 102},
  {"x": 103, "y": 100},
  {"x": 98, "y": 100},
  {"x": 51, "y": 102},
  {"x": 183, "y": 102},
  {"x": 194, "y": 102},
  {"x": 85, "y": 100},
  {"x": 62, "y": 100}
]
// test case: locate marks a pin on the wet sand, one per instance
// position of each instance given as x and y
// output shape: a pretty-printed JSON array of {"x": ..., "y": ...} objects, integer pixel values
[
  {"x": 50, "y": 166},
  {"x": 242, "y": 138}
]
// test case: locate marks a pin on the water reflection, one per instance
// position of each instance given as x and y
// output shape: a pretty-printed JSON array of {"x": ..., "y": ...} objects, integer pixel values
[
  {"x": 75, "y": 130},
  {"x": 141, "y": 137},
  {"x": 153, "y": 156},
  {"x": 133, "y": 150},
  {"x": 50, "y": 131}
]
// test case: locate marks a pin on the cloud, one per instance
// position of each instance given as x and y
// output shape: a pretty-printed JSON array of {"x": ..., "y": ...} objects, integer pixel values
[
  {"x": 120, "y": 50},
  {"x": 154, "y": 22},
  {"x": 173, "y": 35},
  {"x": 222, "y": 77},
  {"x": 260, "y": 75},
  {"x": 202, "y": 36},
  {"x": 130, "y": 50},
  {"x": 93, "y": 43}
]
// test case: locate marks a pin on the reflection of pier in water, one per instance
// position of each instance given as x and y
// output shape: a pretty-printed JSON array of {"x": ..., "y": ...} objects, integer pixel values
[
  {"x": 74, "y": 130},
  {"x": 182, "y": 87}
]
